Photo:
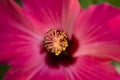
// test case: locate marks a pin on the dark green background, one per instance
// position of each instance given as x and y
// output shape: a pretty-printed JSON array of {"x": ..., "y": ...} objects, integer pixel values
[{"x": 84, "y": 4}]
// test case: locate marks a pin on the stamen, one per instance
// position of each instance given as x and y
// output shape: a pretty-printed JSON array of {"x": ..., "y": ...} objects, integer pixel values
[{"x": 55, "y": 41}]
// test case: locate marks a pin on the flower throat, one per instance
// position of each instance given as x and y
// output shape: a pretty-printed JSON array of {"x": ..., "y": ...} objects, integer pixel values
[{"x": 55, "y": 41}]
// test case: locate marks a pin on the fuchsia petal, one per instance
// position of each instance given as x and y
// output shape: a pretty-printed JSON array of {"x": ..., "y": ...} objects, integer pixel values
[
  {"x": 85, "y": 68},
  {"x": 48, "y": 14},
  {"x": 97, "y": 32},
  {"x": 41, "y": 72},
  {"x": 19, "y": 44},
  {"x": 114, "y": 25},
  {"x": 88, "y": 68}
]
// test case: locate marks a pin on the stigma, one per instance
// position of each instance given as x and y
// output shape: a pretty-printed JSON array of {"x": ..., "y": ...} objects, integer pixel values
[{"x": 55, "y": 41}]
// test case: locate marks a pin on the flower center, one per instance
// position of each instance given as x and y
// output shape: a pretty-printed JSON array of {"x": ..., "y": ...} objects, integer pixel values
[{"x": 55, "y": 41}]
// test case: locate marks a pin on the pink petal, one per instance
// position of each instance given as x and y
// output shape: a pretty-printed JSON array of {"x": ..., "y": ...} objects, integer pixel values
[
  {"x": 95, "y": 31},
  {"x": 88, "y": 68},
  {"x": 48, "y": 14},
  {"x": 85, "y": 68},
  {"x": 18, "y": 40},
  {"x": 114, "y": 25},
  {"x": 40, "y": 72}
]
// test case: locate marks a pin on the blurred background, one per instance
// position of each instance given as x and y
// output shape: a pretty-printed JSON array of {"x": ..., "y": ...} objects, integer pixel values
[{"x": 84, "y": 4}]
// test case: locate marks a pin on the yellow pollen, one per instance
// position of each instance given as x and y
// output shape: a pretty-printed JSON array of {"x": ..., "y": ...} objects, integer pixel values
[{"x": 55, "y": 41}]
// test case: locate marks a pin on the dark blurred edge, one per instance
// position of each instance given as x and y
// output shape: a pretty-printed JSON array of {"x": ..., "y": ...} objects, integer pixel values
[
  {"x": 19, "y": 2},
  {"x": 86, "y": 3},
  {"x": 3, "y": 69}
]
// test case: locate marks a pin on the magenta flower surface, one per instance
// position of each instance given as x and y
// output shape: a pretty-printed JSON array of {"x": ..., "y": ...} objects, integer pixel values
[{"x": 57, "y": 40}]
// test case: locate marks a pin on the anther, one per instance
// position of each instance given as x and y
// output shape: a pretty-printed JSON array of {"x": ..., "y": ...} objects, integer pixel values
[{"x": 55, "y": 41}]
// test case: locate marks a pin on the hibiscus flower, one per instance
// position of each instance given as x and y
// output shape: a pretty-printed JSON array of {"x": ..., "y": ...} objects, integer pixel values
[{"x": 57, "y": 40}]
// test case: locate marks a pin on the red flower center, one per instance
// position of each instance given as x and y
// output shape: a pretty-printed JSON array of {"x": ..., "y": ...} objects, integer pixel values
[{"x": 55, "y": 41}]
